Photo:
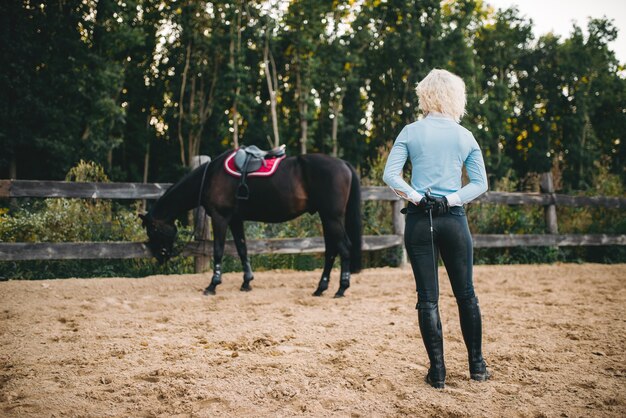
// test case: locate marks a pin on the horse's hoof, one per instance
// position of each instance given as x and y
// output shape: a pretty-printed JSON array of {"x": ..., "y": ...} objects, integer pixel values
[
  {"x": 246, "y": 288},
  {"x": 338, "y": 295},
  {"x": 318, "y": 293},
  {"x": 209, "y": 291}
]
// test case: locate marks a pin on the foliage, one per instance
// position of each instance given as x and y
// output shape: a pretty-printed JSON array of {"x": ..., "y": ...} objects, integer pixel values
[
  {"x": 78, "y": 220},
  {"x": 82, "y": 220},
  {"x": 500, "y": 219},
  {"x": 140, "y": 86}
]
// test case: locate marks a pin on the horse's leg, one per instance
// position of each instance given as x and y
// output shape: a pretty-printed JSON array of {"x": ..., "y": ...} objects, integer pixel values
[
  {"x": 236, "y": 227},
  {"x": 344, "y": 252},
  {"x": 329, "y": 259},
  {"x": 219, "y": 232},
  {"x": 337, "y": 242}
]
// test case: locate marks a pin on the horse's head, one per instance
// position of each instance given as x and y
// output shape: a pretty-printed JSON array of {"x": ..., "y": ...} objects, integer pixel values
[{"x": 161, "y": 237}]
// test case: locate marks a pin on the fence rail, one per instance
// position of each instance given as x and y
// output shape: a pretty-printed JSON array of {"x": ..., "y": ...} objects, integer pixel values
[
  {"x": 64, "y": 189},
  {"x": 126, "y": 250},
  {"x": 203, "y": 248}
]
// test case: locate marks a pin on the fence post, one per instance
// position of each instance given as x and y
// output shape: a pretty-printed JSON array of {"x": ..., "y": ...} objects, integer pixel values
[
  {"x": 202, "y": 226},
  {"x": 398, "y": 225},
  {"x": 547, "y": 186}
]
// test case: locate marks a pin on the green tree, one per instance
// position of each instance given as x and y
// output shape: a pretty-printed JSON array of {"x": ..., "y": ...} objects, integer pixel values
[
  {"x": 42, "y": 86},
  {"x": 589, "y": 69},
  {"x": 501, "y": 42},
  {"x": 304, "y": 24},
  {"x": 403, "y": 41}
]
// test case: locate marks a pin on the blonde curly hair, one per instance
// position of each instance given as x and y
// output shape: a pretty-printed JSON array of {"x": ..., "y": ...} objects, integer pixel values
[{"x": 443, "y": 92}]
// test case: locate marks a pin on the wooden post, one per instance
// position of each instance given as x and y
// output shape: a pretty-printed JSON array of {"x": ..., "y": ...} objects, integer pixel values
[
  {"x": 398, "y": 225},
  {"x": 547, "y": 186},
  {"x": 202, "y": 226}
]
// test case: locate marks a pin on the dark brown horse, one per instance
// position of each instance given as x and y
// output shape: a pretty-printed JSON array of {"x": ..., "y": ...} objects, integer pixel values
[{"x": 306, "y": 183}]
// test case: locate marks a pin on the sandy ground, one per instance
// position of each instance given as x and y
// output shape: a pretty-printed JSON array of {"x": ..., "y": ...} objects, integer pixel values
[{"x": 555, "y": 339}]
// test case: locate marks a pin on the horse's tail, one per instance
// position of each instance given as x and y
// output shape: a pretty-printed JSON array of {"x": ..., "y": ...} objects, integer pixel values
[{"x": 353, "y": 222}]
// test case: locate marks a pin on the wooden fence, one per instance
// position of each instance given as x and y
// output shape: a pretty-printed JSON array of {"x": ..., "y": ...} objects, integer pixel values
[{"x": 202, "y": 248}]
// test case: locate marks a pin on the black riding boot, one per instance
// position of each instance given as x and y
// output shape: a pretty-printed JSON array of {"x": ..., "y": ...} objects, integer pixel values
[
  {"x": 471, "y": 326},
  {"x": 430, "y": 328}
]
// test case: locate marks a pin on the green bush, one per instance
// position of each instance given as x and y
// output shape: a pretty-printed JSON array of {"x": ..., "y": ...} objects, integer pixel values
[
  {"x": 501, "y": 219},
  {"x": 76, "y": 220}
]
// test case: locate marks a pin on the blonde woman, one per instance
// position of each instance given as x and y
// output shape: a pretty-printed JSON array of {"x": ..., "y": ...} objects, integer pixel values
[{"x": 438, "y": 148}]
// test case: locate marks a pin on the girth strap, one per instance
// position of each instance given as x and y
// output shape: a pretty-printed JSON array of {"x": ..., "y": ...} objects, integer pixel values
[{"x": 243, "y": 192}]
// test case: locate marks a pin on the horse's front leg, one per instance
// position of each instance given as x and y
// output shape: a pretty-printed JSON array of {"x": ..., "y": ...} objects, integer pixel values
[
  {"x": 329, "y": 259},
  {"x": 236, "y": 227},
  {"x": 219, "y": 233}
]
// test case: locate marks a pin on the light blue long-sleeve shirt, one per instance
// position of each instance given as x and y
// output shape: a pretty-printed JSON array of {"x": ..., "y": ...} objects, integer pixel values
[{"x": 437, "y": 147}]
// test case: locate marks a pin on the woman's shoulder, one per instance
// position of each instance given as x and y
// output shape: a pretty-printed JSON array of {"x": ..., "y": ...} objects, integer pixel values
[
  {"x": 465, "y": 131},
  {"x": 417, "y": 124}
]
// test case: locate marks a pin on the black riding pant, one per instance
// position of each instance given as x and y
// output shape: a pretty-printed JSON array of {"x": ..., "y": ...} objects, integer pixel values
[{"x": 452, "y": 240}]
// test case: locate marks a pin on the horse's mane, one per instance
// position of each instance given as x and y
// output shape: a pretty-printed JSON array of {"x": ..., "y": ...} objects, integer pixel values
[
  {"x": 198, "y": 171},
  {"x": 193, "y": 177}
]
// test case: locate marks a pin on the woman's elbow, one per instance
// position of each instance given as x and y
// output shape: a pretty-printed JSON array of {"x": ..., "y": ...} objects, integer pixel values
[
  {"x": 387, "y": 178},
  {"x": 484, "y": 186},
  {"x": 480, "y": 186}
]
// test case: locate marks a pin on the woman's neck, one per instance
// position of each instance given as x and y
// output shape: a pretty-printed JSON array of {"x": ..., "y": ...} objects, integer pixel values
[{"x": 439, "y": 115}]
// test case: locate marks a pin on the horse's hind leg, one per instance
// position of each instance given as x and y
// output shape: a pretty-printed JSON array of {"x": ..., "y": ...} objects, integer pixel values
[
  {"x": 329, "y": 260},
  {"x": 344, "y": 278},
  {"x": 219, "y": 232},
  {"x": 336, "y": 242},
  {"x": 236, "y": 227},
  {"x": 340, "y": 241}
]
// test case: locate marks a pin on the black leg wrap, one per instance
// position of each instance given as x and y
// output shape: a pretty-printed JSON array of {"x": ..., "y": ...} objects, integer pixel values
[
  {"x": 247, "y": 277},
  {"x": 471, "y": 327},
  {"x": 247, "y": 272},
  {"x": 322, "y": 286},
  {"x": 430, "y": 328},
  {"x": 344, "y": 284},
  {"x": 215, "y": 280}
]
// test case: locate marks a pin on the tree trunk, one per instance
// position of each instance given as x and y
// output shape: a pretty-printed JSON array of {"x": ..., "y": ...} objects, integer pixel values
[
  {"x": 582, "y": 184},
  {"x": 304, "y": 127},
  {"x": 205, "y": 111},
  {"x": 236, "y": 120},
  {"x": 235, "y": 50},
  {"x": 302, "y": 109},
  {"x": 192, "y": 136},
  {"x": 334, "y": 136},
  {"x": 146, "y": 158},
  {"x": 181, "y": 110},
  {"x": 13, "y": 168},
  {"x": 272, "y": 85},
  {"x": 110, "y": 160},
  {"x": 146, "y": 161},
  {"x": 336, "y": 109}
]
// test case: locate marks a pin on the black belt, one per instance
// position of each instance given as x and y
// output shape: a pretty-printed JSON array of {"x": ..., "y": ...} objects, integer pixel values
[{"x": 413, "y": 208}]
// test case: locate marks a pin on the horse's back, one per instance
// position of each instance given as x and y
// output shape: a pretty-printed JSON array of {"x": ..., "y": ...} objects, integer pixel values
[
  {"x": 303, "y": 183},
  {"x": 277, "y": 198}
]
